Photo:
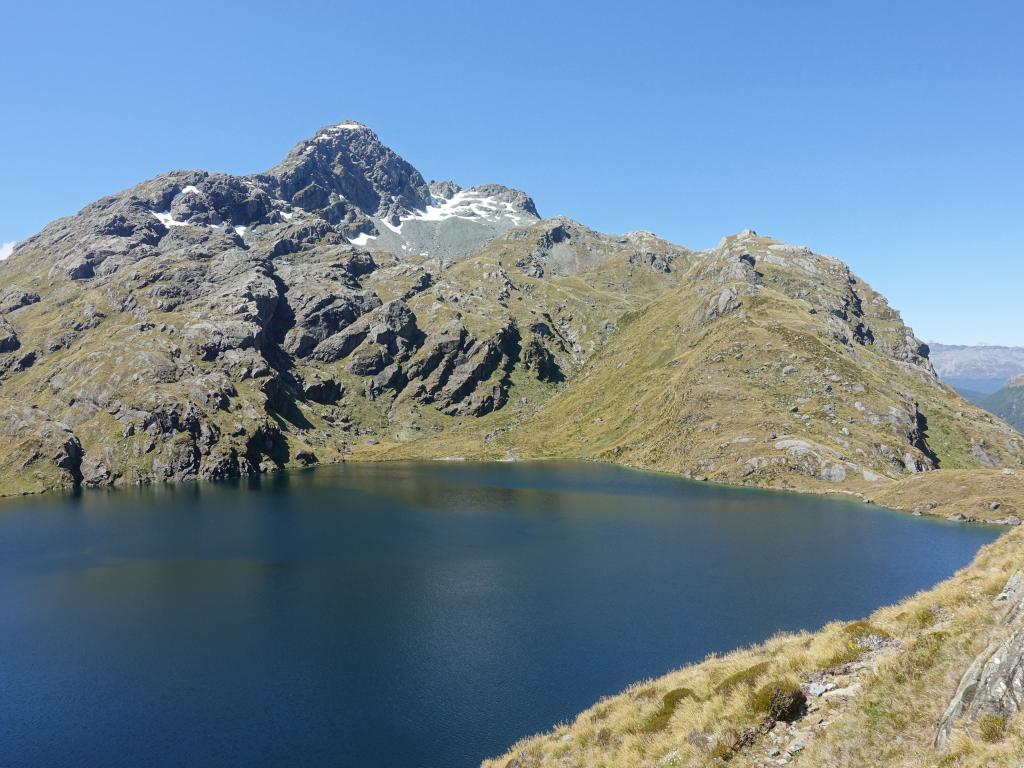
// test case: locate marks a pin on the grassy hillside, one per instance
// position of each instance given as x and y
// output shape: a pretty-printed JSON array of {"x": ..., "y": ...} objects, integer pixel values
[
  {"x": 761, "y": 364},
  {"x": 1008, "y": 403}
]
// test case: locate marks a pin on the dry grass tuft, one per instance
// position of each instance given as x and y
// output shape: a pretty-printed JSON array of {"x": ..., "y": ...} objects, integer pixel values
[
  {"x": 659, "y": 720},
  {"x": 991, "y": 728},
  {"x": 779, "y": 700}
]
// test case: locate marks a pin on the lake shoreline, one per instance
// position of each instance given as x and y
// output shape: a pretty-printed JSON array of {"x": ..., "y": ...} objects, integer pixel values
[{"x": 867, "y": 493}]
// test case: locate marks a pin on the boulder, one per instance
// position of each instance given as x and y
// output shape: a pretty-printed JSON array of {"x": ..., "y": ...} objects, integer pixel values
[
  {"x": 12, "y": 297},
  {"x": 8, "y": 337},
  {"x": 324, "y": 391}
]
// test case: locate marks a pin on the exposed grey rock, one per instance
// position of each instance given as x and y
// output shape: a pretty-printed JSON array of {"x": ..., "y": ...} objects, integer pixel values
[
  {"x": 345, "y": 166},
  {"x": 43, "y": 442},
  {"x": 8, "y": 337},
  {"x": 562, "y": 246},
  {"x": 383, "y": 336},
  {"x": 436, "y": 359},
  {"x": 819, "y": 689},
  {"x": 462, "y": 375},
  {"x": 324, "y": 299},
  {"x": 538, "y": 358},
  {"x": 726, "y": 302},
  {"x": 1000, "y": 688},
  {"x": 213, "y": 339},
  {"x": 994, "y": 681},
  {"x": 420, "y": 284},
  {"x": 833, "y": 473},
  {"x": 980, "y": 454},
  {"x": 325, "y": 392},
  {"x": 443, "y": 190},
  {"x": 846, "y": 692},
  {"x": 12, "y": 297},
  {"x": 340, "y": 345},
  {"x": 94, "y": 471}
]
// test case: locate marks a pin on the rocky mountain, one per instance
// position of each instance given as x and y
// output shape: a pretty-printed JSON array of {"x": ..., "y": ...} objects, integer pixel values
[
  {"x": 1008, "y": 402},
  {"x": 203, "y": 325},
  {"x": 977, "y": 370}
]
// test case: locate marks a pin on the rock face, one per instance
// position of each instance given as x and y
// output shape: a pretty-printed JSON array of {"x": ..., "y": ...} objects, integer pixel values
[
  {"x": 203, "y": 325},
  {"x": 344, "y": 174},
  {"x": 46, "y": 453},
  {"x": 994, "y": 682}
]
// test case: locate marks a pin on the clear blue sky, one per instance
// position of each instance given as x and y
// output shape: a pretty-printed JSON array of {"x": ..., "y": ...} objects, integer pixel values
[{"x": 887, "y": 134}]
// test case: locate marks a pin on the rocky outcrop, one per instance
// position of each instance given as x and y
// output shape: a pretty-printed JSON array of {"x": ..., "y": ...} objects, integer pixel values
[
  {"x": 727, "y": 281},
  {"x": 994, "y": 682},
  {"x": 462, "y": 375},
  {"x": 563, "y": 247},
  {"x": 323, "y": 300},
  {"x": 478, "y": 383},
  {"x": 12, "y": 297},
  {"x": 8, "y": 337},
  {"x": 539, "y": 359},
  {"x": 853, "y": 312},
  {"x": 386, "y": 336},
  {"x": 323, "y": 391},
  {"x": 45, "y": 450},
  {"x": 436, "y": 359},
  {"x": 386, "y": 333}
]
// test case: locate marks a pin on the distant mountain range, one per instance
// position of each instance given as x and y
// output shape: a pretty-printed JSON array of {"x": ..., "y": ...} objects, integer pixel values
[
  {"x": 339, "y": 306},
  {"x": 991, "y": 376},
  {"x": 978, "y": 369}
]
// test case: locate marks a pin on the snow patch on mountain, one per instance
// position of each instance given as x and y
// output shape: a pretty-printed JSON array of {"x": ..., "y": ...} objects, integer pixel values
[
  {"x": 362, "y": 238},
  {"x": 165, "y": 218},
  {"x": 331, "y": 132},
  {"x": 468, "y": 204}
]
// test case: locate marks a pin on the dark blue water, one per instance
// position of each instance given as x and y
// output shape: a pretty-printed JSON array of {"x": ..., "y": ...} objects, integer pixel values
[{"x": 404, "y": 615}]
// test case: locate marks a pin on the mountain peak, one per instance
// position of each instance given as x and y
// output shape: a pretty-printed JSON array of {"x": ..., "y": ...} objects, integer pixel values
[
  {"x": 345, "y": 170},
  {"x": 344, "y": 125}
]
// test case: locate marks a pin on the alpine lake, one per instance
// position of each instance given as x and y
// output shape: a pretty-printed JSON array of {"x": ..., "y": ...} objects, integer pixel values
[{"x": 413, "y": 615}]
